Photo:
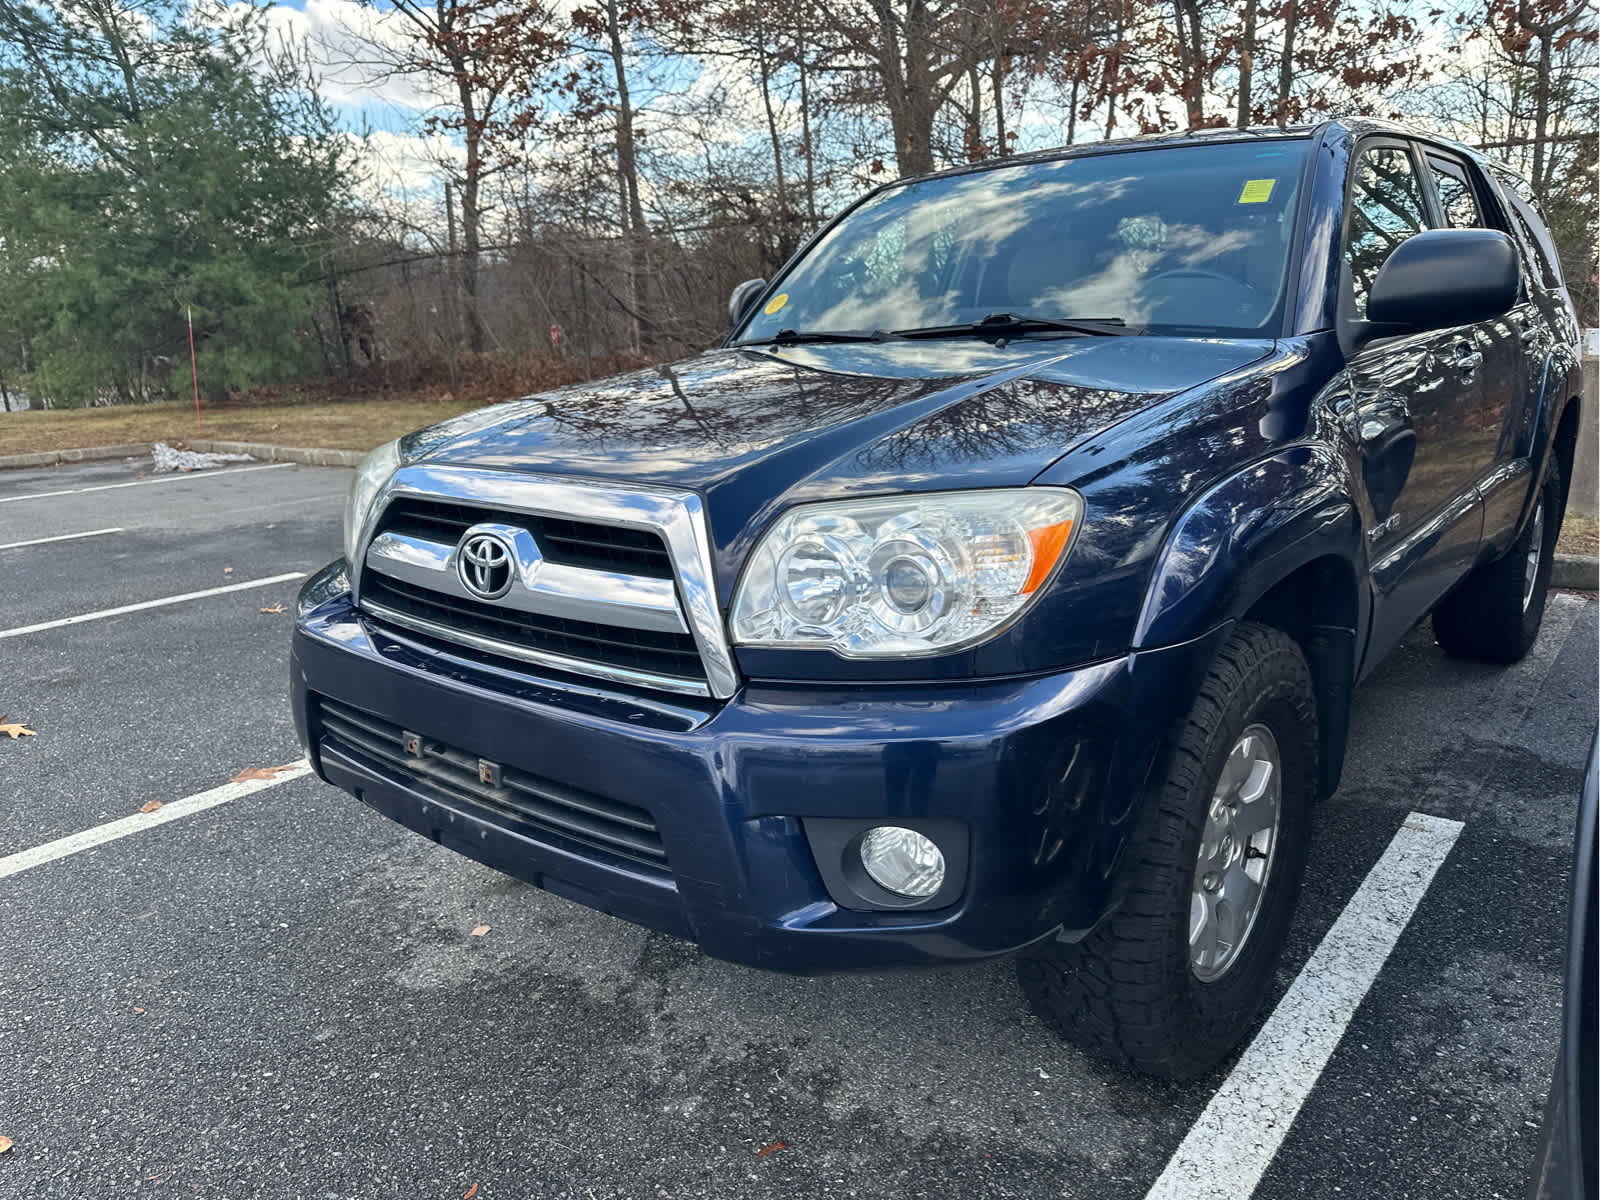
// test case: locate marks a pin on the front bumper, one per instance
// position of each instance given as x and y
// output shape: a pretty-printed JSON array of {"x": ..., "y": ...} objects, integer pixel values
[{"x": 1041, "y": 771}]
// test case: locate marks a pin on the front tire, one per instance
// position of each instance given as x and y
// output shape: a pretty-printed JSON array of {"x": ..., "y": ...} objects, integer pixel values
[
  {"x": 1171, "y": 982},
  {"x": 1495, "y": 613}
]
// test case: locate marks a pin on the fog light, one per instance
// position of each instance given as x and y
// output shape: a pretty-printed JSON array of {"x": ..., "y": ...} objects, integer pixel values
[{"x": 902, "y": 861}]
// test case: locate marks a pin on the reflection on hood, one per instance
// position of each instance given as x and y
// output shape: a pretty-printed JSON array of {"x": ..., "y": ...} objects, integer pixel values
[{"x": 756, "y": 429}]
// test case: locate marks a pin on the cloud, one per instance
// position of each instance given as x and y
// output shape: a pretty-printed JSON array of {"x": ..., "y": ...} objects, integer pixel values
[
  {"x": 356, "y": 50},
  {"x": 402, "y": 175}
]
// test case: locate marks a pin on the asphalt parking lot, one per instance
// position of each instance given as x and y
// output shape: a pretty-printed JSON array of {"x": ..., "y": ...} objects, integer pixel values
[{"x": 281, "y": 994}]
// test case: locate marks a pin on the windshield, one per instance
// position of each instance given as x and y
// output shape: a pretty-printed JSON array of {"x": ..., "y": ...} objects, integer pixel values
[{"x": 1189, "y": 240}]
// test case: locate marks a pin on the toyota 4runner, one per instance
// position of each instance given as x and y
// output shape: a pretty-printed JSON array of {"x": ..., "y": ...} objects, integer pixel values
[{"x": 998, "y": 586}]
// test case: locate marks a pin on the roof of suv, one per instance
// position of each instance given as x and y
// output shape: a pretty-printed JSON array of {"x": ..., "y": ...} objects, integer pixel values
[{"x": 1356, "y": 126}]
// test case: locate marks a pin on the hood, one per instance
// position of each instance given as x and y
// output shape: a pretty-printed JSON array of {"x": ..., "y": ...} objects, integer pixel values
[{"x": 754, "y": 430}]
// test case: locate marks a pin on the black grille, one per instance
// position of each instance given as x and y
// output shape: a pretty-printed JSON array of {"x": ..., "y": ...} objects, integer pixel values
[
  {"x": 593, "y": 821},
  {"x": 673, "y": 654},
  {"x": 572, "y": 543}
]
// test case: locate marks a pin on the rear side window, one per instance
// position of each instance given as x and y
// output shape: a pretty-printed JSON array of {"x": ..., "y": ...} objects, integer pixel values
[
  {"x": 1458, "y": 201},
  {"x": 1540, "y": 250},
  {"x": 1385, "y": 209}
]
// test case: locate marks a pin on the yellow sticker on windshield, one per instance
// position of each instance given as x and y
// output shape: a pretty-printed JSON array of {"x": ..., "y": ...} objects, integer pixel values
[
  {"x": 1256, "y": 191},
  {"x": 776, "y": 303}
]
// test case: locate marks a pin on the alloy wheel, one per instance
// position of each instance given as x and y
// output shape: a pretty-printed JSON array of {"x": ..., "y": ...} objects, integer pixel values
[{"x": 1236, "y": 850}]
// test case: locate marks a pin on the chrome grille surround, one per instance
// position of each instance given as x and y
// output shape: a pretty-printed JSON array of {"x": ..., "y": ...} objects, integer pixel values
[{"x": 557, "y": 590}]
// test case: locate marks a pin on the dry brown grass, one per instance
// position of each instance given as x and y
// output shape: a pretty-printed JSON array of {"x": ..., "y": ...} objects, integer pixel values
[
  {"x": 381, "y": 401},
  {"x": 337, "y": 425},
  {"x": 1579, "y": 535}
]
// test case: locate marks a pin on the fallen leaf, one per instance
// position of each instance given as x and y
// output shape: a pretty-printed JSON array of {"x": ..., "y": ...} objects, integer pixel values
[
  {"x": 5, "y": 1144},
  {"x": 149, "y": 806},
  {"x": 276, "y": 608},
  {"x": 1414, "y": 825},
  {"x": 772, "y": 1149},
  {"x": 471, "y": 1192},
  {"x": 16, "y": 728},
  {"x": 480, "y": 930},
  {"x": 262, "y": 772}
]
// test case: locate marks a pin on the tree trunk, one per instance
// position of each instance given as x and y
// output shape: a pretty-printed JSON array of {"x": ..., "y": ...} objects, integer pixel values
[
  {"x": 1186, "y": 14},
  {"x": 1072, "y": 103},
  {"x": 1002, "y": 142},
  {"x": 1291, "y": 23},
  {"x": 451, "y": 285},
  {"x": 1247, "y": 62},
  {"x": 973, "y": 135},
  {"x": 1541, "y": 111},
  {"x": 904, "y": 59},
  {"x": 805, "y": 129},
  {"x": 337, "y": 304},
  {"x": 786, "y": 239},
  {"x": 911, "y": 120},
  {"x": 471, "y": 244},
  {"x": 1113, "y": 68},
  {"x": 626, "y": 166}
]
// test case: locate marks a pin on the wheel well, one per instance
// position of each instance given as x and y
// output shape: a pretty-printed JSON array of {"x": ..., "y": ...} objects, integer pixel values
[
  {"x": 1317, "y": 606},
  {"x": 1565, "y": 448}
]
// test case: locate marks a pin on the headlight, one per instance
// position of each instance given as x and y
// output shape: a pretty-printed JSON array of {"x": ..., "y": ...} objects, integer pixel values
[
  {"x": 371, "y": 475},
  {"x": 905, "y": 575}
]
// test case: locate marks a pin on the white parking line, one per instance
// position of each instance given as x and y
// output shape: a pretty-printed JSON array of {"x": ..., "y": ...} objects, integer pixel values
[
  {"x": 144, "y": 604},
  {"x": 14, "y": 864},
  {"x": 60, "y": 537},
  {"x": 179, "y": 478},
  {"x": 1229, "y": 1148},
  {"x": 292, "y": 502}
]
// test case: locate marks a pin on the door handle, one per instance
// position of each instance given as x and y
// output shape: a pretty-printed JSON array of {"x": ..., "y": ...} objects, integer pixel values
[
  {"x": 1375, "y": 431},
  {"x": 1468, "y": 359},
  {"x": 1528, "y": 331}
]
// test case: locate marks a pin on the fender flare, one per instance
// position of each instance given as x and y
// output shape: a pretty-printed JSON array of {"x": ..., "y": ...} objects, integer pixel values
[
  {"x": 1246, "y": 534},
  {"x": 1242, "y": 538}
]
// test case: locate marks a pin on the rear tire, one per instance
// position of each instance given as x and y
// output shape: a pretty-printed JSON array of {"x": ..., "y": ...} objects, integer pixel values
[
  {"x": 1140, "y": 990},
  {"x": 1495, "y": 613}
]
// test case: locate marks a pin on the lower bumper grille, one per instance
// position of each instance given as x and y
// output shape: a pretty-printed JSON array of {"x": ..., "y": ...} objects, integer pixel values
[{"x": 591, "y": 821}]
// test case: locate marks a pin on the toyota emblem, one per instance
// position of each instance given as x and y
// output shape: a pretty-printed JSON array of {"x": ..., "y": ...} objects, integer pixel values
[{"x": 484, "y": 566}]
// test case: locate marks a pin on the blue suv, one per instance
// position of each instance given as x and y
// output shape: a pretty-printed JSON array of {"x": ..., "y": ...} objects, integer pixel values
[{"x": 998, "y": 586}]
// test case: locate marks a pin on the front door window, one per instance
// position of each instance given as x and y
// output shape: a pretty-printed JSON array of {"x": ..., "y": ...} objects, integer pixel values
[{"x": 1385, "y": 209}]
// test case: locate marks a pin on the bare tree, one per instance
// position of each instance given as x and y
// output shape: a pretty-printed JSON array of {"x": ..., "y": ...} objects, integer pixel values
[{"x": 485, "y": 61}]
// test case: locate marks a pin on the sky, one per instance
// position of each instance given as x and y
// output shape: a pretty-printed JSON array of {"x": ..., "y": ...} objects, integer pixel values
[
  {"x": 403, "y": 166},
  {"x": 386, "y": 110}
]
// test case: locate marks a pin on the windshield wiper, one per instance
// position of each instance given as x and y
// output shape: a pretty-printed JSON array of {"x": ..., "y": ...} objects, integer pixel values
[
  {"x": 1003, "y": 324},
  {"x": 796, "y": 337}
]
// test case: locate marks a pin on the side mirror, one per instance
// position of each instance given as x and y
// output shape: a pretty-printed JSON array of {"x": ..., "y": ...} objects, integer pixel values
[
  {"x": 743, "y": 298},
  {"x": 1444, "y": 277}
]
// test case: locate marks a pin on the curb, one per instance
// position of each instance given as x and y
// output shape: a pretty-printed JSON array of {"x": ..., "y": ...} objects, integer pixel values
[
  {"x": 1575, "y": 571},
  {"x": 309, "y": 455},
  {"x": 54, "y": 458}
]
